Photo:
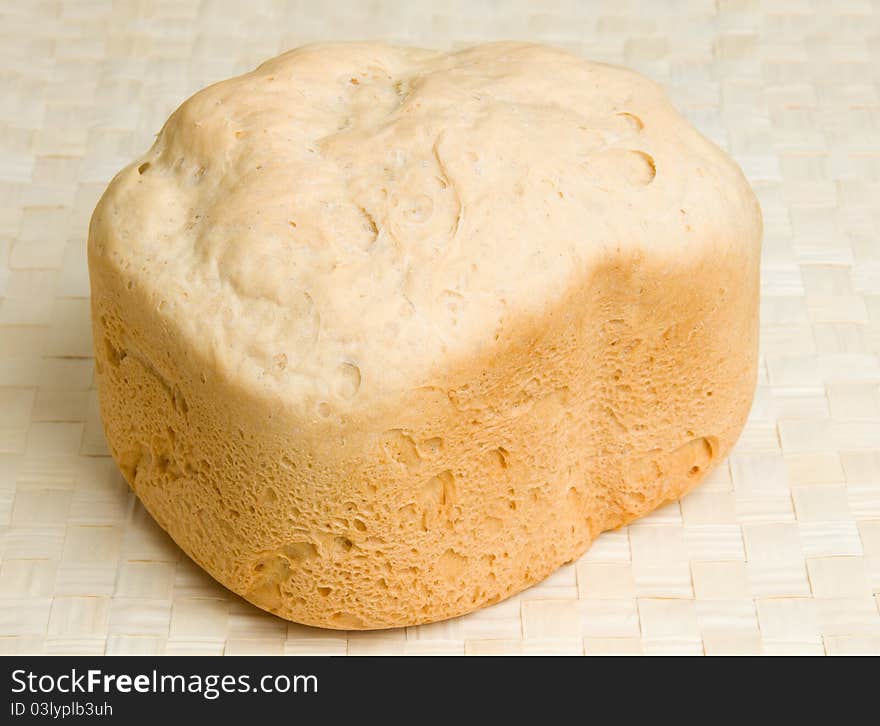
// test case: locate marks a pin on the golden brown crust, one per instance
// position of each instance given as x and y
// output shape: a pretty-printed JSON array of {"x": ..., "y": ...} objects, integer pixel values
[{"x": 481, "y": 462}]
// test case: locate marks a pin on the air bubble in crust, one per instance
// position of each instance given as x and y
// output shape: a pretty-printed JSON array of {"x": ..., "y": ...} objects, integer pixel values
[{"x": 348, "y": 380}]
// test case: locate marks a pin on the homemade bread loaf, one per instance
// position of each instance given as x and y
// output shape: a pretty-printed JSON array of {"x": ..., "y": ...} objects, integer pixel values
[{"x": 384, "y": 335}]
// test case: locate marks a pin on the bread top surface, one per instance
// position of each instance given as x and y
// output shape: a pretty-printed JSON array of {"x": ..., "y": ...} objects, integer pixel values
[{"x": 347, "y": 219}]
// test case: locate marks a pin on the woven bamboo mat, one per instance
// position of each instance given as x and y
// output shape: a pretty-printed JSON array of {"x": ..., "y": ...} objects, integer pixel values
[{"x": 779, "y": 552}]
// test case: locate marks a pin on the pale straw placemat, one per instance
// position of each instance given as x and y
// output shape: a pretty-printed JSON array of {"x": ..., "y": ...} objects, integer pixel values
[{"x": 778, "y": 553}]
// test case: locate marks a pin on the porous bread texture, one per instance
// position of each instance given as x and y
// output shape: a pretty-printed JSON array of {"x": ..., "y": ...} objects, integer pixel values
[{"x": 384, "y": 335}]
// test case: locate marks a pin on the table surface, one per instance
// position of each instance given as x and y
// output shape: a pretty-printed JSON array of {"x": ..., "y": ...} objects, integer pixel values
[{"x": 778, "y": 552}]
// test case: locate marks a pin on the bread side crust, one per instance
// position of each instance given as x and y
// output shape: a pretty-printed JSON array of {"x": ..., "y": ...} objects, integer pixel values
[{"x": 460, "y": 493}]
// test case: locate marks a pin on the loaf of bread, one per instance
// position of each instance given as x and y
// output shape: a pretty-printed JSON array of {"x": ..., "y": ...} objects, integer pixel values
[{"x": 384, "y": 335}]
